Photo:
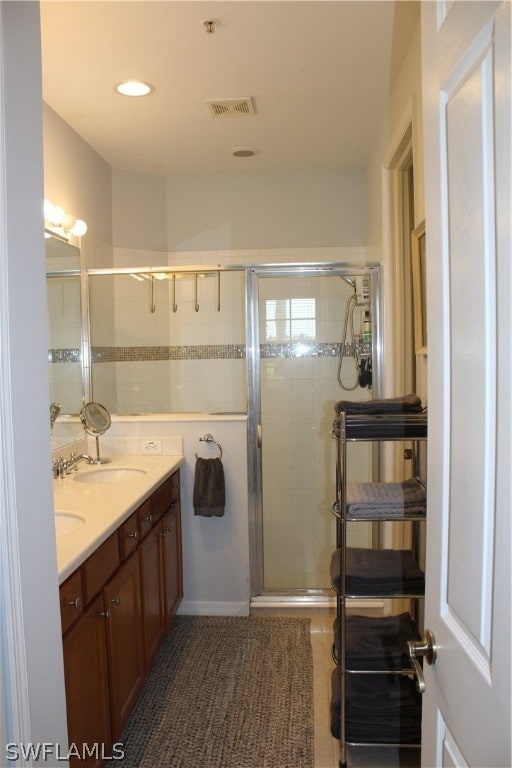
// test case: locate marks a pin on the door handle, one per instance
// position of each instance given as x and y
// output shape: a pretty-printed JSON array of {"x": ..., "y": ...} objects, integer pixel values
[
  {"x": 426, "y": 648},
  {"x": 259, "y": 435}
]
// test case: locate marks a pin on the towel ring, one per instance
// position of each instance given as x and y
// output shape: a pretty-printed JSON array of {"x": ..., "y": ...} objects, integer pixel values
[{"x": 210, "y": 439}]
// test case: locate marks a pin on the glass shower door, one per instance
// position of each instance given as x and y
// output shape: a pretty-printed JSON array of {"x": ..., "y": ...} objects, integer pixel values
[{"x": 300, "y": 320}]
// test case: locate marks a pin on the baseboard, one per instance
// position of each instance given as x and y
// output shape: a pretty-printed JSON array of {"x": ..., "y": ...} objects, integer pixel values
[{"x": 213, "y": 608}]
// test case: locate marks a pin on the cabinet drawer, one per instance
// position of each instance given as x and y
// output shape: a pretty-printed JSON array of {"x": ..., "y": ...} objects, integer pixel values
[
  {"x": 161, "y": 499},
  {"x": 71, "y": 600},
  {"x": 128, "y": 537},
  {"x": 145, "y": 518},
  {"x": 99, "y": 567}
]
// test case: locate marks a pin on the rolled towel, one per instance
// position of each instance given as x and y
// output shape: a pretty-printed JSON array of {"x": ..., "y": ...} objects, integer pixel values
[{"x": 209, "y": 496}]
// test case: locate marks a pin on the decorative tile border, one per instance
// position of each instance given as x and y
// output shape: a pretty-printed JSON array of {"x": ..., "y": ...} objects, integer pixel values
[
  {"x": 64, "y": 355},
  {"x": 306, "y": 349},
  {"x": 149, "y": 354},
  {"x": 208, "y": 352}
]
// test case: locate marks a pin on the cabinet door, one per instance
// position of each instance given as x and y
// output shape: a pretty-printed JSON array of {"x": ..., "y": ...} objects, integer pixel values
[
  {"x": 151, "y": 567},
  {"x": 87, "y": 692},
  {"x": 124, "y": 641},
  {"x": 172, "y": 572}
]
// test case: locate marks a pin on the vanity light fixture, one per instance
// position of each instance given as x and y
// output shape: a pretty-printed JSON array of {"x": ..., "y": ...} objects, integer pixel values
[
  {"x": 61, "y": 224},
  {"x": 134, "y": 88}
]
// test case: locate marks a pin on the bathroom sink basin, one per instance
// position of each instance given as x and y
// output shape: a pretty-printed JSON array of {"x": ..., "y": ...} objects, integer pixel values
[
  {"x": 66, "y": 522},
  {"x": 111, "y": 475}
]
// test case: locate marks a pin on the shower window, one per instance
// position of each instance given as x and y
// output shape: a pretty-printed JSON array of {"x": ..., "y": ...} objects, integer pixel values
[{"x": 290, "y": 319}]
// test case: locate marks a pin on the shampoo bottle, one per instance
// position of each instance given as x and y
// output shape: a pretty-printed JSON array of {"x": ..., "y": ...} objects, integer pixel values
[{"x": 367, "y": 328}]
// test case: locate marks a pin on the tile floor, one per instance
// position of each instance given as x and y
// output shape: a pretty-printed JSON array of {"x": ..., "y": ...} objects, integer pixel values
[{"x": 327, "y": 752}]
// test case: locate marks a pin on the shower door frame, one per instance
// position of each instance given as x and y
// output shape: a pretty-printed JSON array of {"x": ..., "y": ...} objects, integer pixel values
[{"x": 254, "y": 438}]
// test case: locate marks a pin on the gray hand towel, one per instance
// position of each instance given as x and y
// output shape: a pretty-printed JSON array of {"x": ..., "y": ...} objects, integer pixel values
[{"x": 209, "y": 488}]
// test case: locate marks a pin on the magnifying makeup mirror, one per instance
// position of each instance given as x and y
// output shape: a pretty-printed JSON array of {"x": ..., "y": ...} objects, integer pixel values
[{"x": 96, "y": 420}]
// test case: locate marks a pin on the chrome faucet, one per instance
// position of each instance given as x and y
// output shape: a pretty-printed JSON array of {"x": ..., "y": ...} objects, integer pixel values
[
  {"x": 74, "y": 459},
  {"x": 54, "y": 412},
  {"x": 62, "y": 467}
]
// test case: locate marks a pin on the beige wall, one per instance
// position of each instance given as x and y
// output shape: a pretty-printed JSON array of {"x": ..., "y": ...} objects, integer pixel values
[
  {"x": 76, "y": 177},
  {"x": 238, "y": 211},
  {"x": 404, "y": 99},
  {"x": 404, "y": 104}
]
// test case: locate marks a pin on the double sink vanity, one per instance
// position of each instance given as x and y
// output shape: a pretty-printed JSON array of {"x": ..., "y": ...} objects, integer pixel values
[{"x": 118, "y": 534}]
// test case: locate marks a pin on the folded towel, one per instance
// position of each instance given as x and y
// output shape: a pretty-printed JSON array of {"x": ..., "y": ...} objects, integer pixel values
[
  {"x": 379, "y": 709},
  {"x": 404, "y": 404},
  {"x": 209, "y": 488},
  {"x": 378, "y": 572},
  {"x": 386, "y": 499},
  {"x": 378, "y": 643}
]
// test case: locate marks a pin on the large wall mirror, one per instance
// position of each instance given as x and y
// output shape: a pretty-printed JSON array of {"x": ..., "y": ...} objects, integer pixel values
[{"x": 65, "y": 352}]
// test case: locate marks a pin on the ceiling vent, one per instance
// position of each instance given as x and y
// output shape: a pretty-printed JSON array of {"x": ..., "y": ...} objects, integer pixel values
[{"x": 240, "y": 107}]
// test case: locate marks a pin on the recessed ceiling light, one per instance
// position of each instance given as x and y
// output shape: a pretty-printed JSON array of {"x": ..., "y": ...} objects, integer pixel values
[{"x": 134, "y": 88}]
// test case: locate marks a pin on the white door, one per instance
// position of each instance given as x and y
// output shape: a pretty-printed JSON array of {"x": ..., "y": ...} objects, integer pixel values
[{"x": 466, "y": 93}]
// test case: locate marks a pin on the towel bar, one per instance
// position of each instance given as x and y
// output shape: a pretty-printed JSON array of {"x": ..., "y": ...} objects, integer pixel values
[{"x": 210, "y": 439}]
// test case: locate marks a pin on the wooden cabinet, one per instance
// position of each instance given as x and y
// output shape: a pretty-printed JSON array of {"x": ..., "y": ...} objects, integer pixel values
[
  {"x": 122, "y": 601},
  {"x": 99, "y": 567},
  {"x": 115, "y": 610},
  {"x": 151, "y": 556},
  {"x": 128, "y": 536},
  {"x": 71, "y": 600},
  {"x": 87, "y": 683},
  {"x": 171, "y": 562}
]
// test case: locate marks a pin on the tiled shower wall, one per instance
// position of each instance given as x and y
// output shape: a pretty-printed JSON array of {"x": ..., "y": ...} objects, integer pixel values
[
  {"x": 183, "y": 361},
  {"x": 159, "y": 360},
  {"x": 64, "y": 335}
]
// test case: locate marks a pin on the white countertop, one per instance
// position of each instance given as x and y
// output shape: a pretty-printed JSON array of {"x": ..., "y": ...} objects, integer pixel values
[{"x": 104, "y": 506}]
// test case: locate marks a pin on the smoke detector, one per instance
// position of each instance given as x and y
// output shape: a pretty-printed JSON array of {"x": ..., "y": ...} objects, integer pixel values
[
  {"x": 243, "y": 152},
  {"x": 237, "y": 107}
]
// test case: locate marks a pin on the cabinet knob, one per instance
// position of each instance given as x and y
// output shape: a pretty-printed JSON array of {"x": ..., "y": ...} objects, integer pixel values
[
  {"x": 149, "y": 519},
  {"x": 163, "y": 534},
  {"x": 105, "y": 614},
  {"x": 177, "y": 486},
  {"x": 76, "y": 603},
  {"x": 133, "y": 535},
  {"x": 115, "y": 600}
]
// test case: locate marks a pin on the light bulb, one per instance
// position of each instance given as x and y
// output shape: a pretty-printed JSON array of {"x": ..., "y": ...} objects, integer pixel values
[
  {"x": 48, "y": 209},
  {"x": 69, "y": 222},
  {"x": 58, "y": 215},
  {"x": 134, "y": 88},
  {"x": 79, "y": 228}
]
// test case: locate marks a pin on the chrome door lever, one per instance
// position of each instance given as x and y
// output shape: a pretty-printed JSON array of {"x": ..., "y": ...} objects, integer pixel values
[{"x": 426, "y": 648}]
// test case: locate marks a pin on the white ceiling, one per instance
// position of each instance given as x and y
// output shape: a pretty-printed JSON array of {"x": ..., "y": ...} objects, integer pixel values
[{"x": 319, "y": 73}]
